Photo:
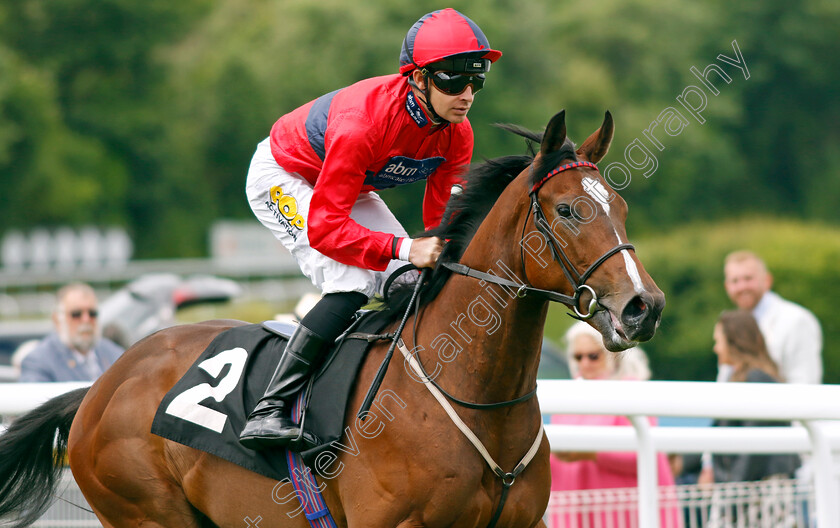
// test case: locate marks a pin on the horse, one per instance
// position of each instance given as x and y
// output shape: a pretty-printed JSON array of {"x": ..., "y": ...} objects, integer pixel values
[{"x": 525, "y": 230}]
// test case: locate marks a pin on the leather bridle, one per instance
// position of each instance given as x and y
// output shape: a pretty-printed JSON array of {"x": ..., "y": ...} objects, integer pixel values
[{"x": 577, "y": 280}]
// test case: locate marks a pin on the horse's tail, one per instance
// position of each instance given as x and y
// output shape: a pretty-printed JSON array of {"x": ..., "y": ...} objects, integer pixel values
[{"x": 32, "y": 454}]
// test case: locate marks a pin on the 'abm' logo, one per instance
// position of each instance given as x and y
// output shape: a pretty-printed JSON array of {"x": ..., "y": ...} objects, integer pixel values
[
  {"x": 287, "y": 206},
  {"x": 401, "y": 170}
]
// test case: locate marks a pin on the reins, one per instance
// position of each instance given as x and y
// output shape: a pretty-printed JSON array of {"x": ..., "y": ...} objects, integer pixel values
[
  {"x": 479, "y": 406},
  {"x": 383, "y": 367}
]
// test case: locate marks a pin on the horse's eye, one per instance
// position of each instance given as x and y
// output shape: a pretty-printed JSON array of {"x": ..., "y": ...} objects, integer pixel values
[{"x": 564, "y": 210}]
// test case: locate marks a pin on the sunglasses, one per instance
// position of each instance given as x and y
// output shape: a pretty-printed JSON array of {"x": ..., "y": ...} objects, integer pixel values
[
  {"x": 77, "y": 314},
  {"x": 455, "y": 83},
  {"x": 594, "y": 356}
]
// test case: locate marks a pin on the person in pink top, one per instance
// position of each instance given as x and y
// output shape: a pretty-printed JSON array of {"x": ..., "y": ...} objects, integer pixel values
[{"x": 589, "y": 360}]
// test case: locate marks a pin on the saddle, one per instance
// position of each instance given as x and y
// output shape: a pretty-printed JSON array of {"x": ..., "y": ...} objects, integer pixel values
[{"x": 208, "y": 407}]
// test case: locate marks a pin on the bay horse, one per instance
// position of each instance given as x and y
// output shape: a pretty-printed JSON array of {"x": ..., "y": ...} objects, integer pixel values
[{"x": 524, "y": 231}]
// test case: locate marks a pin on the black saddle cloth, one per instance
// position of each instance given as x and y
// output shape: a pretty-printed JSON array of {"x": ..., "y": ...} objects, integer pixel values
[{"x": 208, "y": 407}]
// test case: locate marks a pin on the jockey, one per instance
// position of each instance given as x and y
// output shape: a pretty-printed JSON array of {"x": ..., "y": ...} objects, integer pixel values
[{"x": 312, "y": 183}]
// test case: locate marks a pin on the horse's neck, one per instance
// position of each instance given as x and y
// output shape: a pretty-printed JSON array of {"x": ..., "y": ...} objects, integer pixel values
[{"x": 494, "y": 336}]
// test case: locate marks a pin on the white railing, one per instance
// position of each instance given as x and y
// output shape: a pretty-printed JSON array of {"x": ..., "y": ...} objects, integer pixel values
[
  {"x": 810, "y": 405},
  {"x": 764, "y": 504},
  {"x": 19, "y": 398},
  {"x": 774, "y": 503}
]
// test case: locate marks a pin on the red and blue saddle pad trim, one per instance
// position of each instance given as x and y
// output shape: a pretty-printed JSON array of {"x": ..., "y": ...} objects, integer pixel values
[{"x": 314, "y": 507}]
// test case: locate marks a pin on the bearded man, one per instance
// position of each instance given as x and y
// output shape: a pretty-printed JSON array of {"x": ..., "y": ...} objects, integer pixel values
[{"x": 75, "y": 350}]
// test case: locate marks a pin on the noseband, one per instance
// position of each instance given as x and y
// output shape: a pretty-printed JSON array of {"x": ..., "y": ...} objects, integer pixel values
[{"x": 577, "y": 280}]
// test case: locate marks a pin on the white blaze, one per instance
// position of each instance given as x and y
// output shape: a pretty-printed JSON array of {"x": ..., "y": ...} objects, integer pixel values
[
  {"x": 599, "y": 193},
  {"x": 633, "y": 271}
]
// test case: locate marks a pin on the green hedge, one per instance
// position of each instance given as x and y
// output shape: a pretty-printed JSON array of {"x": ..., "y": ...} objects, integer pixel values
[{"x": 687, "y": 264}]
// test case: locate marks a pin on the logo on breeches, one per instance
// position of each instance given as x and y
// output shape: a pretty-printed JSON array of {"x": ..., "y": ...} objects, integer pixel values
[{"x": 285, "y": 209}]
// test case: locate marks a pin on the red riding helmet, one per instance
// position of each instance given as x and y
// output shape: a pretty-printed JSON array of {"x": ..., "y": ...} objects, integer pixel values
[{"x": 446, "y": 40}]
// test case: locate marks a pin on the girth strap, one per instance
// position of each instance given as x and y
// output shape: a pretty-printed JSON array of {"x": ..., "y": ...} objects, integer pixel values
[{"x": 508, "y": 478}]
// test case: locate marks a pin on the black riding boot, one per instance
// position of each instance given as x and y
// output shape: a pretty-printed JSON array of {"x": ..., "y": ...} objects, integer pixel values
[{"x": 270, "y": 424}]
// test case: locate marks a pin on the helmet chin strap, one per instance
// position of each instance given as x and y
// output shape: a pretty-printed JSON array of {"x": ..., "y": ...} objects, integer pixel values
[{"x": 427, "y": 99}]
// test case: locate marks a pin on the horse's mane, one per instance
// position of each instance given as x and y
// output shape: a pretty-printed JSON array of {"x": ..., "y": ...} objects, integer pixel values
[{"x": 484, "y": 183}]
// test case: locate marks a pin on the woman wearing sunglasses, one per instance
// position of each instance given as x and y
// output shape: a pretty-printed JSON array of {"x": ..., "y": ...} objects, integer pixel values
[
  {"x": 589, "y": 360},
  {"x": 312, "y": 182}
]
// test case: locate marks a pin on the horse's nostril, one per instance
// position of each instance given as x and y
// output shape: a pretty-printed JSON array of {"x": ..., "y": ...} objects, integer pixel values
[{"x": 634, "y": 310}]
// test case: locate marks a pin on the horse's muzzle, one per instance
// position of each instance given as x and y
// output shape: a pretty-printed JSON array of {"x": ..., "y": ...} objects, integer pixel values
[{"x": 640, "y": 316}]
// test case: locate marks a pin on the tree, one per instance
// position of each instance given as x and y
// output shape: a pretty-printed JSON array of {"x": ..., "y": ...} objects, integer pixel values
[{"x": 152, "y": 110}]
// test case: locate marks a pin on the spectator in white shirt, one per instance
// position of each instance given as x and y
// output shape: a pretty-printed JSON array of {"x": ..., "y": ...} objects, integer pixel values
[{"x": 792, "y": 333}]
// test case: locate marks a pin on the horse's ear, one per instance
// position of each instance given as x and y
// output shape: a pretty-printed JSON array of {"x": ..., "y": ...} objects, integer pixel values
[
  {"x": 596, "y": 146},
  {"x": 555, "y": 134}
]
